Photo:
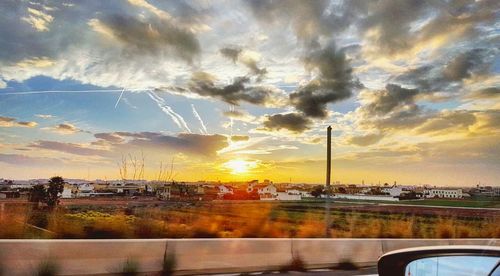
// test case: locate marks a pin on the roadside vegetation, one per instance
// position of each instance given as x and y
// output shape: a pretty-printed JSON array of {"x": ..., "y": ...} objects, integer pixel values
[{"x": 244, "y": 220}]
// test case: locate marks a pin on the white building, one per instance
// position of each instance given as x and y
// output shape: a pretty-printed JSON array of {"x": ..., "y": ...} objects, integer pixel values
[
  {"x": 269, "y": 189},
  {"x": 224, "y": 189},
  {"x": 302, "y": 193},
  {"x": 84, "y": 190},
  {"x": 67, "y": 192},
  {"x": 443, "y": 193},
  {"x": 365, "y": 197}
]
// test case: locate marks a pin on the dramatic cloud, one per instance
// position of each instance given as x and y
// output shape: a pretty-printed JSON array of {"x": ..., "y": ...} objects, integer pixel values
[
  {"x": 334, "y": 82},
  {"x": 308, "y": 19},
  {"x": 206, "y": 145},
  {"x": 12, "y": 122},
  {"x": 238, "y": 91},
  {"x": 197, "y": 144},
  {"x": 246, "y": 58},
  {"x": 109, "y": 137},
  {"x": 365, "y": 140},
  {"x": 239, "y": 138},
  {"x": 112, "y": 43},
  {"x": 393, "y": 97},
  {"x": 38, "y": 19},
  {"x": 293, "y": 122},
  {"x": 71, "y": 148},
  {"x": 24, "y": 160},
  {"x": 486, "y": 93},
  {"x": 240, "y": 115},
  {"x": 65, "y": 128},
  {"x": 154, "y": 36}
]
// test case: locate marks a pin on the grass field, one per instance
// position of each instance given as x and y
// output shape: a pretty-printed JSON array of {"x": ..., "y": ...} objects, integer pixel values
[
  {"x": 245, "y": 220},
  {"x": 475, "y": 203}
]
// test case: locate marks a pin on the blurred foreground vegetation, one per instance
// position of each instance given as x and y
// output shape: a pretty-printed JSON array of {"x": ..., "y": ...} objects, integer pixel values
[{"x": 241, "y": 220}]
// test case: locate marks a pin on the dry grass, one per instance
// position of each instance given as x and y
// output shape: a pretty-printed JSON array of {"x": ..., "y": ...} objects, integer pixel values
[{"x": 232, "y": 220}]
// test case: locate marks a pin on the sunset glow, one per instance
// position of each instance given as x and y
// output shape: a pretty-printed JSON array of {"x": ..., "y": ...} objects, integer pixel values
[{"x": 230, "y": 90}]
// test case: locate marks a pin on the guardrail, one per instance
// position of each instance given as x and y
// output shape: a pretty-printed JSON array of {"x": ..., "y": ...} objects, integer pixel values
[{"x": 92, "y": 257}]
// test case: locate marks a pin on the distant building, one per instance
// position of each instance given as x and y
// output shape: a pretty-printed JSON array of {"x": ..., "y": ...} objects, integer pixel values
[
  {"x": 164, "y": 192},
  {"x": 443, "y": 193},
  {"x": 224, "y": 189}
]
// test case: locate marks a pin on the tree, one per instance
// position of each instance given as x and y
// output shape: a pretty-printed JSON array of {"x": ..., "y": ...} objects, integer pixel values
[
  {"x": 318, "y": 191},
  {"x": 38, "y": 194},
  {"x": 56, "y": 187}
]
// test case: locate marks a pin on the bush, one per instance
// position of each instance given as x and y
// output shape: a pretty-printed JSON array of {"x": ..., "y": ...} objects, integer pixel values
[
  {"x": 346, "y": 264},
  {"x": 130, "y": 268},
  {"x": 47, "y": 268},
  {"x": 169, "y": 264},
  {"x": 296, "y": 264}
]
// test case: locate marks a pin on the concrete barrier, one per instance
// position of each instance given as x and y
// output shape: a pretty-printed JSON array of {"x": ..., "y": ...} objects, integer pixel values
[{"x": 93, "y": 257}]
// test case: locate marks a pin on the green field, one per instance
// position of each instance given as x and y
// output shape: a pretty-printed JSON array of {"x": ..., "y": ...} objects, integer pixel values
[
  {"x": 478, "y": 203},
  {"x": 475, "y": 202}
]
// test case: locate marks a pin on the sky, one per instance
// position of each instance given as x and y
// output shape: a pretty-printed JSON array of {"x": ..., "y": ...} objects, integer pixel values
[{"x": 241, "y": 90}]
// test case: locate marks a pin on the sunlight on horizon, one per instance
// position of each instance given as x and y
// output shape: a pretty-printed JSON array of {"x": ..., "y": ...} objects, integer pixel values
[{"x": 240, "y": 166}]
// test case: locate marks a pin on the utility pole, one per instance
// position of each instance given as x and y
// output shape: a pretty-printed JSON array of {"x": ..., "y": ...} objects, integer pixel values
[{"x": 328, "y": 171}]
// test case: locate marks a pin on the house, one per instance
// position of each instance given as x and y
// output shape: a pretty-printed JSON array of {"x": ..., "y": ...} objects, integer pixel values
[
  {"x": 225, "y": 189},
  {"x": 67, "y": 191},
  {"x": 164, "y": 192},
  {"x": 267, "y": 189},
  {"x": 84, "y": 190}
]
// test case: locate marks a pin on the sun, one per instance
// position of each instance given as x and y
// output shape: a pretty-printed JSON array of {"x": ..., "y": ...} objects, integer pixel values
[{"x": 240, "y": 166}]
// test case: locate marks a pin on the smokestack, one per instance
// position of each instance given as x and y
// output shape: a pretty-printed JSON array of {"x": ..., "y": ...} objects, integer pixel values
[
  {"x": 328, "y": 155},
  {"x": 328, "y": 170}
]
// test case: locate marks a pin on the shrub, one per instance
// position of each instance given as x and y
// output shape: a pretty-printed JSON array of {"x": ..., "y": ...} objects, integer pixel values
[
  {"x": 47, "y": 268},
  {"x": 130, "y": 268},
  {"x": 169, "y": 264},
  {"x": 346, "y": 264},
  {"x": 296, "y": 264}
]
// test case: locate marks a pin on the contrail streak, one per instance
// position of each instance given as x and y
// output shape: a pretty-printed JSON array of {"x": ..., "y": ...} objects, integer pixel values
[
  {"x": 119, "y": 98},
  {"x": 178, "y": 120},
  {"x": 197, "y": 115},
  {"x": 231, "y": 108},
  {"x": 68, "y": 91}
]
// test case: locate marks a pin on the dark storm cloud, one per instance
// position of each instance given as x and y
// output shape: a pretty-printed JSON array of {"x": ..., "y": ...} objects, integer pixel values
[
  {"x": 152, "y": 36},
  {"x": 238, "y": 91},
  {"x": 334, "y": 82},
  {"x": 294, "y": 122}
]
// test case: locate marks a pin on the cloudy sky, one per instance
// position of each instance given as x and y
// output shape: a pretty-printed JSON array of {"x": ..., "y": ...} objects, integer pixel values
[{"x": 238, "y": 90}]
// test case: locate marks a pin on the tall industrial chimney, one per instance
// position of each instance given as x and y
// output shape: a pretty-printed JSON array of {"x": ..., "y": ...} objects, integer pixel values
[{"x": 328, "y": 171}]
